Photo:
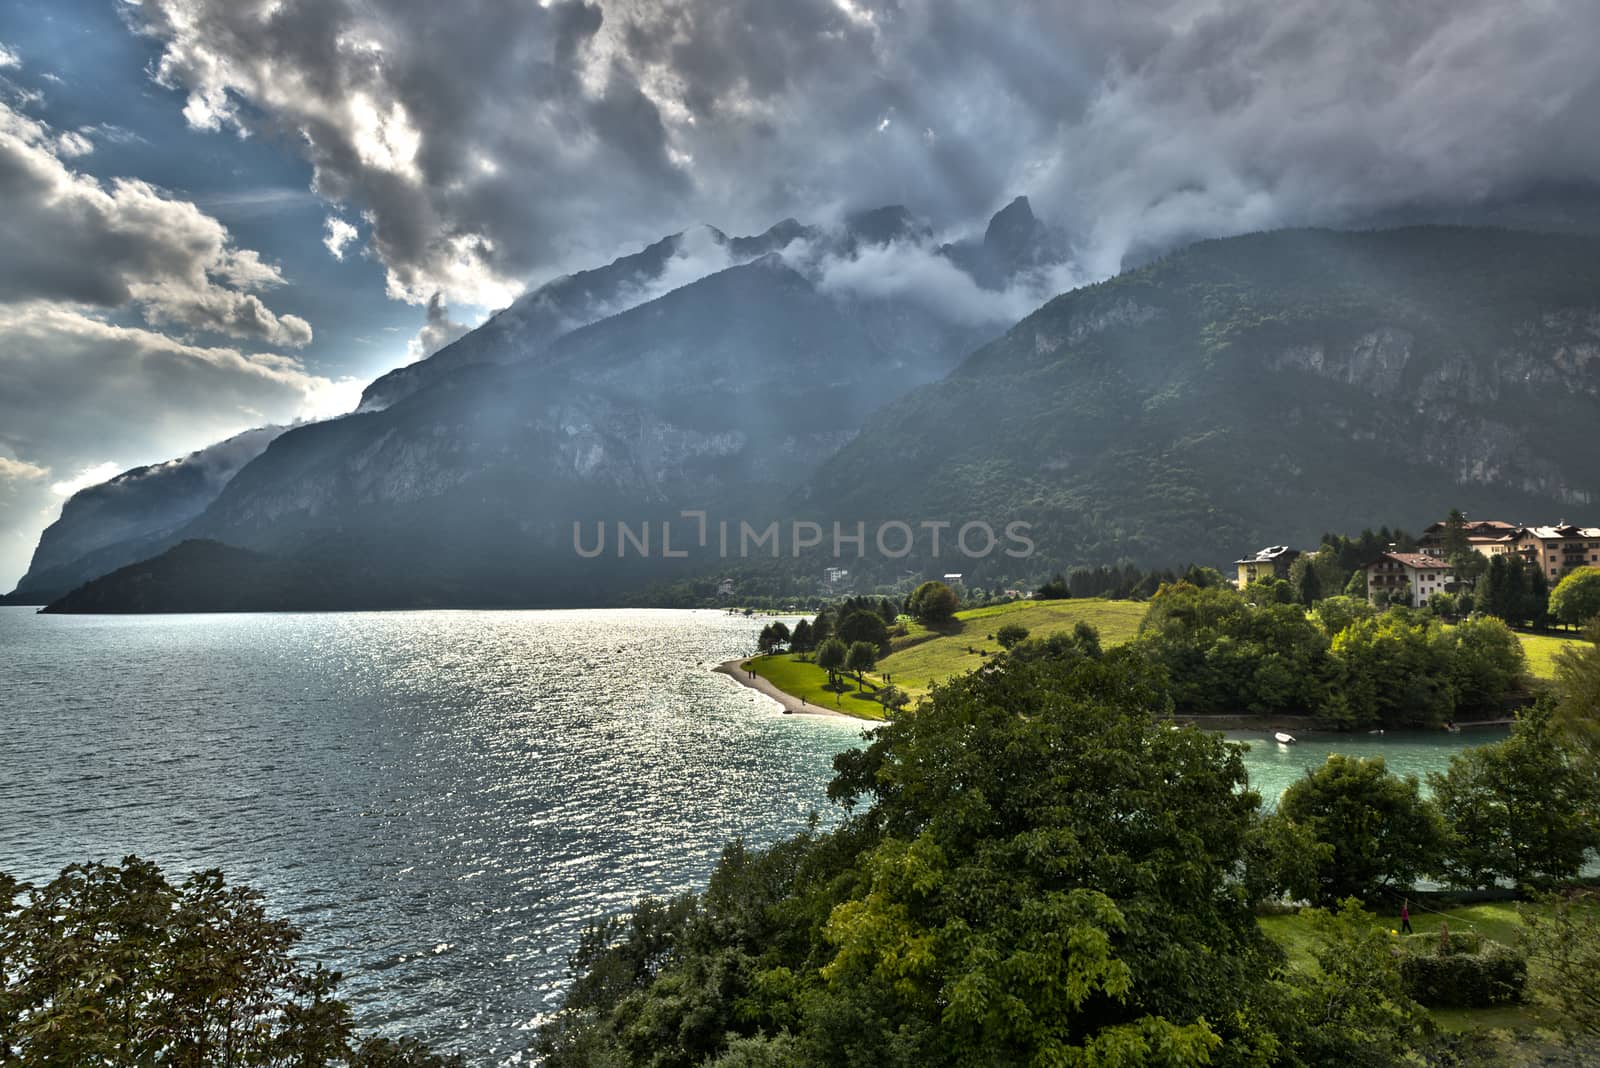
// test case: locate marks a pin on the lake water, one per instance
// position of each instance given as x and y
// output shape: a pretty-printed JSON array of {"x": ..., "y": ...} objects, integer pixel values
[{"x": 440, "y": 799}]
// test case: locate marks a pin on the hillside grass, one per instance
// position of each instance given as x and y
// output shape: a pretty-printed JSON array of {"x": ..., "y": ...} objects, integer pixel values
[
  {"x": 922, "y": 655},
  {"x": 804, "y": 679},
  {"x": 1541, "y": 651}
]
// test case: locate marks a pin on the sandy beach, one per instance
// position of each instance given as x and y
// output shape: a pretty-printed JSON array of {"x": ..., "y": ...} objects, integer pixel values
[{"x": 734, "y": 671}]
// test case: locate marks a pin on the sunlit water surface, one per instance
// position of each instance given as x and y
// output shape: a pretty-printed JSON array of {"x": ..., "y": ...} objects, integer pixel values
[{"x": 439, "y": 799}]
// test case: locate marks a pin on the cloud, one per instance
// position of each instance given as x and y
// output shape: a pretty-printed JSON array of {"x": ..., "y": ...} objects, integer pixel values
[
  {"x": 917, "y": 272},
  {"x": 8, "y": 58},
  {"x": 91, "y": 397},
  {"x": 69, "y": 238},
  {"x": 336, "y": 235},
  {"x": 438, "y": 330},
  {"x": 492, "y": 144},
  {"x": 92, "y": 475},
  {"x": 18, "y": 470}
]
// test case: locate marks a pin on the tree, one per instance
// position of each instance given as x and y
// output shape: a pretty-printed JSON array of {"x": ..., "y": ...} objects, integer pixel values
[
  {"x": 1033, "y": 869},
  {"x": 113, "y": 964},
  {"x": 1578, "y": 688},
  {"x": 1536, "y": 601},
  {"x": 864, "y": 626},
  {"x": 893, "y": 699},
  {"x": 862, "y": 657},
  {"x": 1305, "y": 578},
  {"x": 1565, "y": 946},
  {"x": 767, "y": 641},
  {"x": 934, "y": 603},
  {"x": 1352, "y": 1008},
  {"x": 831, "y": 657},
  {"x": 780, "y": 632},
  {"x": 1056, "y": 589},
  {"x": 1337, "y": 613},
  {"x": 802, "y": 640},
  {"x": 1487, "y": 664},
  {"x": 1010, "y": 635},
  {"x": 1380, "y": 831},
  {"x": 1357, "y": 586},
  {"x": 1576, "y": 599},
  {"x": 1497, "y": 592},
  {"x": 1520, "y": 809}
]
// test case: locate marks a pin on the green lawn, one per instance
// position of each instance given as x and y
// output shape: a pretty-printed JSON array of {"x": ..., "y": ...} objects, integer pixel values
[
  {"x": 1541, "y": 651},
  {"x": 1494, "y": 920},
  {"x": 806, "y": 680},
  {"x": 922, "y": 655}
]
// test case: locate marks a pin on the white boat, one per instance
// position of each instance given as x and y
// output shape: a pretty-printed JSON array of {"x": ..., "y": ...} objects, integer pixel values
[{"x": 1283, "y": 738}]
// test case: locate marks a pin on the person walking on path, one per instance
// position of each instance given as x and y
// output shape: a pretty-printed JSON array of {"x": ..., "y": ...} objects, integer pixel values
[{"x": 1405, "y": 916}]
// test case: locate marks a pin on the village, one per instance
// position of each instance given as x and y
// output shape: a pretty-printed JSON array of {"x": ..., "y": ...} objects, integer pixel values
[{"x": 1450, "y": 557}]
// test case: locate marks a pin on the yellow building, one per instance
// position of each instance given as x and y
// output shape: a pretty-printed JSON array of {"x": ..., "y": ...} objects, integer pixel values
[
  {"x": 1271, "y": 562},
  {"x": 1559, "y": 549}
]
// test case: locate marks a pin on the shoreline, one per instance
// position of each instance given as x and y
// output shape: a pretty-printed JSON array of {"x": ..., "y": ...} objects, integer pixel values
[{"x": 790, "y": 704}]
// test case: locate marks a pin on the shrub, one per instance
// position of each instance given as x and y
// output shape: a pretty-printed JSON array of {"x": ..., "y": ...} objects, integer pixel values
[{"x": 1461, "y": 979}]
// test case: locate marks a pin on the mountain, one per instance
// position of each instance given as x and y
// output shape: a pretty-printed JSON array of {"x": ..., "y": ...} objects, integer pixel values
[
  {"x": 722, "y": 395},
  {"x": 207, "y": 576},
  {"x": 522, "y": 330},
  {"x": 1259, "y": 390},
  {"x": 125, "y": 519},
  {"x": 1014, "y": 242}
]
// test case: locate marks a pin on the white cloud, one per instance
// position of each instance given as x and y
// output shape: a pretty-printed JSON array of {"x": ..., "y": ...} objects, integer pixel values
[
  {"x": 611, "y": 122},
  {"x": 336, "y": 235},
  {"x": 92, "y": 475},
  {"x": 72, "y": 239},
  {"x": 438, "y": 330},
  {"x": 19, "y": 470},
  {"x": 8, "y": 58}
]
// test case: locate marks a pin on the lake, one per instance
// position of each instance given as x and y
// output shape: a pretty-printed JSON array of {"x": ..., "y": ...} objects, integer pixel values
[{"x": 440, "y": 799}]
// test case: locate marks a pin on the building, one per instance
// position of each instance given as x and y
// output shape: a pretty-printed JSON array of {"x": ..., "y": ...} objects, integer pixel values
[
  {"x": 952, "y": 578},
  {"x": 1489, "y": 537},
  {"x": 1558, "y": 549},
  {"x": 835, "y": 575},
  {"x": 1418, "y": 575},
  {"x": 725, "y": 588},
  {"x": 1271, "y": 562}
]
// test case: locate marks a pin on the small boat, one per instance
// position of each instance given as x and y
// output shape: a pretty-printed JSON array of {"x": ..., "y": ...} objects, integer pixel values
[
  {"x": 1378, "y": 731},
  {"x": 1283, "y": 738},
  {"x": 1452, "y": 728}
]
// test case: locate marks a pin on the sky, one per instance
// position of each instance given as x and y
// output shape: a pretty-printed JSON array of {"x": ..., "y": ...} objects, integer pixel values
[{"x": 220, "y": 214}]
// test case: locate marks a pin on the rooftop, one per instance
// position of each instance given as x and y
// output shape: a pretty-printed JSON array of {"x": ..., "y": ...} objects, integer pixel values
[{"x": 1270, "y": 554}]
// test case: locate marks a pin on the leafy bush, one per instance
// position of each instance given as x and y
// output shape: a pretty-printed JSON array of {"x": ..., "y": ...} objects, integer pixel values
[{"x": 1458, "y": 978}]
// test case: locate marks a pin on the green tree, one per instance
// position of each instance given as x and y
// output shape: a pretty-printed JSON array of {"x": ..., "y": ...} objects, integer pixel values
[
  {"x": 1487, "y": 664},
  {"x": 1056, "y": 589},
  {"x": 1565, "y": 949},
  {"x": 1010, "y": 635},
  {"x": 1337, "y": 613},
  {"x": 112, "y": 964},
  {"x": 1306, "y": 580},
  {"x": 864, "y": 626},
  {"x": 1380, "y": 831},
  {"x": 831, "y": 657},
  {"x": 862, "y": 657},
  {"x": 1576, "y": 599},
  {"x": 1392, "y": 670},
  {"x": 1352, "y": 1008},
  {"x": 1357, "y": 586},
  {"x": 934, "y": 603},
  {"x": 1033, "y": 869},
  {"x": 1578, "y": 687},
  {"x": 767, "y": 641},
  {"x": 893, "y": 698},
  {"x": 1536, "y": 601},
  {"x": 802, "y": 641},
  {"x": 1521, "y": 809}
]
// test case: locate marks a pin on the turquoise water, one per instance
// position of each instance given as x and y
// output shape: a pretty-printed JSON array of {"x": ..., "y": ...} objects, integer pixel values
[
  {"x": 440, "y": 799},
  {"x": 1273, "y": 767}
]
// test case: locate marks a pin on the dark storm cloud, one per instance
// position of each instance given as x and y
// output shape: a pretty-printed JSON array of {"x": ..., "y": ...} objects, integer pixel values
[{"x": 492, "y": 142}]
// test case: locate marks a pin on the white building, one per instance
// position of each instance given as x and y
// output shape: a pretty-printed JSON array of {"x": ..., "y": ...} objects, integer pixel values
[{"x": 1397, "y": 574}]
